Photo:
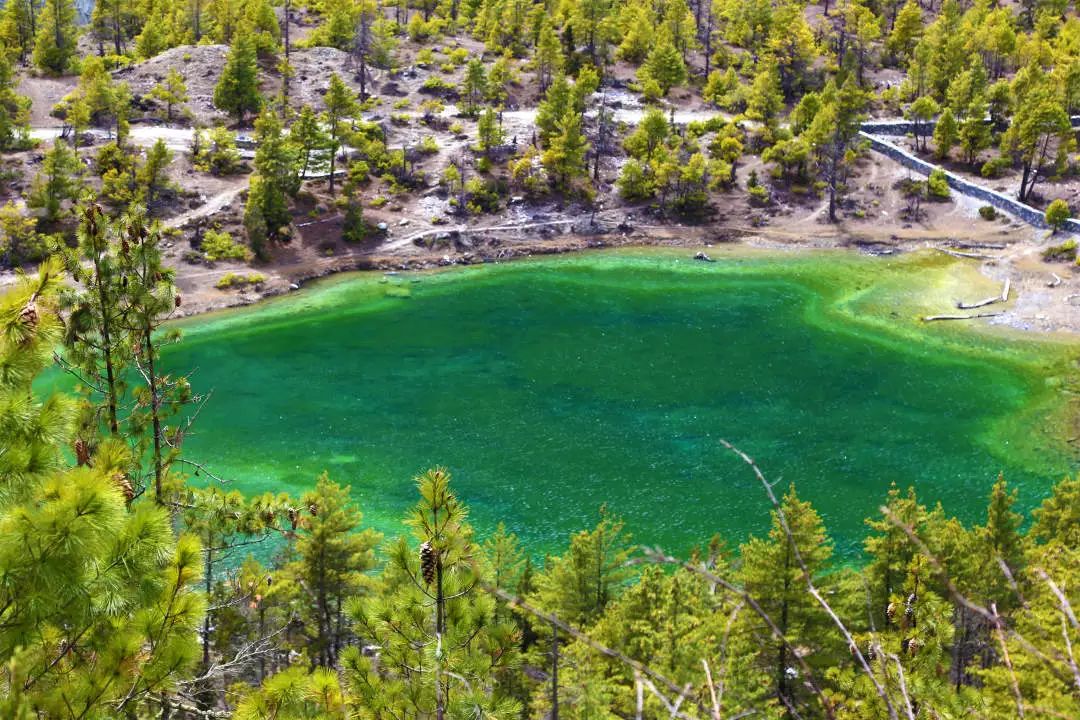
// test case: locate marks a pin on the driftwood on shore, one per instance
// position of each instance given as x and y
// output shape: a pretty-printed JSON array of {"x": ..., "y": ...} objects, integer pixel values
[
  {"x": 974, "y": 256},
  {"x": 1055, "y": 282},
  {"x": 933, "y": 318},
  {"x": 1003, "y": 297}
]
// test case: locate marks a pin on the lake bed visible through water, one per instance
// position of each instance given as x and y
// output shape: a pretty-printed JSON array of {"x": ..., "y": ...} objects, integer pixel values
[{"x": 553, "y": 386}]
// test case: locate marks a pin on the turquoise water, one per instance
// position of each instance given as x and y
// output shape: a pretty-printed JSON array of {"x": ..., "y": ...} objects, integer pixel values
[{"x": 551, "y": 387}]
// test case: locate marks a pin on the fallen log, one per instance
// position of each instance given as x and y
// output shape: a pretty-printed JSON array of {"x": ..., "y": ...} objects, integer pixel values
[
  {"x": 974, "y": 256},
  {"x": 933, "y": 318},
  {"x": 960, "y": 305},
  {"x": 977, "y": 245},
  {"x": 1004, "y": 297}
]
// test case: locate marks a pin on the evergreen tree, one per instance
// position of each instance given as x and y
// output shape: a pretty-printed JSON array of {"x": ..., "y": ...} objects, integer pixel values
[
  {"x": 100, "y": 606},
  {"x": 577, "y": 586},
  {"x": 152, "y": 177},
  {"x": 564, "y": 159},
  {"x": 765, "y": 99},
  {"x": 18, "y": 27},
  {"x": 54, "y": 43},
  {"x": 665, "y": 64},
  {"x": 548, "y": 58},
  {"x": 489, "y": 134},
  {"x": 773, "y": 573},
  {"x": 56, "y": 183},
  {"x": 237, "y": 91},
  {"x": 441, "y": 644},
  {"x": 1040, "y": 136},
  {"x": 274, "y": 181},
  {"x": 14, "y": 108},
  {"x": 340, "y": 105},
  {"x": 921, "y": 112},
  {"x": 474, "y": 85},
  {"x": 333, "y": 558},
  {"x": 311, "y": 142},
  {"x": 945, "y": 134},
  {"x": 172, "y": 91},
  {"x": 554, "y": 107}
]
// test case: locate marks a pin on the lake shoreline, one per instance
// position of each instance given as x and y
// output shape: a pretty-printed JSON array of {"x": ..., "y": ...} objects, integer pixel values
[{"x": 1033, "y": 306}]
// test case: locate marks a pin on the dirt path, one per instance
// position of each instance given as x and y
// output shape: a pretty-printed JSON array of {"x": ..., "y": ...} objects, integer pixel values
[{"x": 211, "y": 206}]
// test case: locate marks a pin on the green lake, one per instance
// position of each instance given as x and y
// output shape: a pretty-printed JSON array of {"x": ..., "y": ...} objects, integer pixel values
[{"x": 551, "y": 386}]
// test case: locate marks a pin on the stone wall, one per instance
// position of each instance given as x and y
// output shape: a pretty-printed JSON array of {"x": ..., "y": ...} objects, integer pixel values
[{"x": 1000, "y": 201}]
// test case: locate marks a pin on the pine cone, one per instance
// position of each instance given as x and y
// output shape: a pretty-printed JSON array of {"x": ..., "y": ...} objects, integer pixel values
[
  {"x": 121, "y": 481},
  {"x": 82, "y": 452},
  {"x": 890, "y": 611},
  {"x": 29, "y": 315},
  {"x": 427, "y": 563},
  {"x": 177, "y": 300}
]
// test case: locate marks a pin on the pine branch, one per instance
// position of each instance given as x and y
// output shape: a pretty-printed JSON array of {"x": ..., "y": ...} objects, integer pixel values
[{"x": 852, "y": 645}]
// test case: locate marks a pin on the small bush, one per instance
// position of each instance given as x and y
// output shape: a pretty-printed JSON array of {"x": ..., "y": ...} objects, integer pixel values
[
  {"x": 1065, "y": 252},
  {"x": 987, "y": 212},
  {"x": 994, "y": 167},
  {"x": 234, "y": 280},
  {"x": 220, "y": 246},
  {"x": 937, "y": 185},
  {"x": 429, "y": 145},
  {"x": 1057, "y": 214}
]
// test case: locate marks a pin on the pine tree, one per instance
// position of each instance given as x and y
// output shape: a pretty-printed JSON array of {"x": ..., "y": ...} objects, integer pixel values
[
  {"x": 172, "y": 91},
  {"x": 441, "y": 644},
  {"x": 333, "y": 558},
  {"x": 474, "y": 85},
  {"x": 152, "y": 177},
  {"x": 54, "y": 43},
  {"x": 340, "y": 105},
  {"x": 275, "y": 178},
  {"x": 974, "y": 133},
  {"x": 56, "y": 183},
  {"x": 307, "y": 136},
  {"x": 765, "y": 99},
  {"x": 18, "y": 27},
  {"x": 14, "y": 108},
  {"x": 577, "y": 586},
  {"x": 548, "y": 59},
  {"x": 773, "y": 574},
  {"x": 1040, "y": 136},
  {"x": 945, "y": 134},
  {"x": 921, "y": 112},
  {"x": 564, "y": 159},
  {"x": 237, "y": 91},
  {"x": 489, "y": 134},
  {"x": 101, "y": 609},
  {"x": 553, "y": 108},
  {"x": 665, "y": 64}
]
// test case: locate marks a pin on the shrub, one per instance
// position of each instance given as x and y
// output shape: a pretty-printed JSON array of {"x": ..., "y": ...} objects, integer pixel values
[
  {"x": 994, "y": 167},
  {"x": 458, "y": 56},
  {"x": 429, "y": 145},
  {"x": 1065, "y": 252},
  {"x": 220, "y": 246},
  {"x": 231, "y": 280},
  {"x": 1057, "y": 214},
  {"x": 987, "y": 212},
  {"x": 937, "y": 185}
]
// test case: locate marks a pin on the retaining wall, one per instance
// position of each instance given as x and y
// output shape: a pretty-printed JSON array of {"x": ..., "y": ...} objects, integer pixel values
[{"x": 1000, "y": 201}]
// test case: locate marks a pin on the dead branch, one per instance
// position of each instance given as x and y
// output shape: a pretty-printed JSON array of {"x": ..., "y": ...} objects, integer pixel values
[
  {"x": 933, "y": 318},
  {"x": 811, "y": 588}
]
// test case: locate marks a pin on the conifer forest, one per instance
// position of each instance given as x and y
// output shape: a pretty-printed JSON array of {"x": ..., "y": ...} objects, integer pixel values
[{"x": 790, "y": 428}]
